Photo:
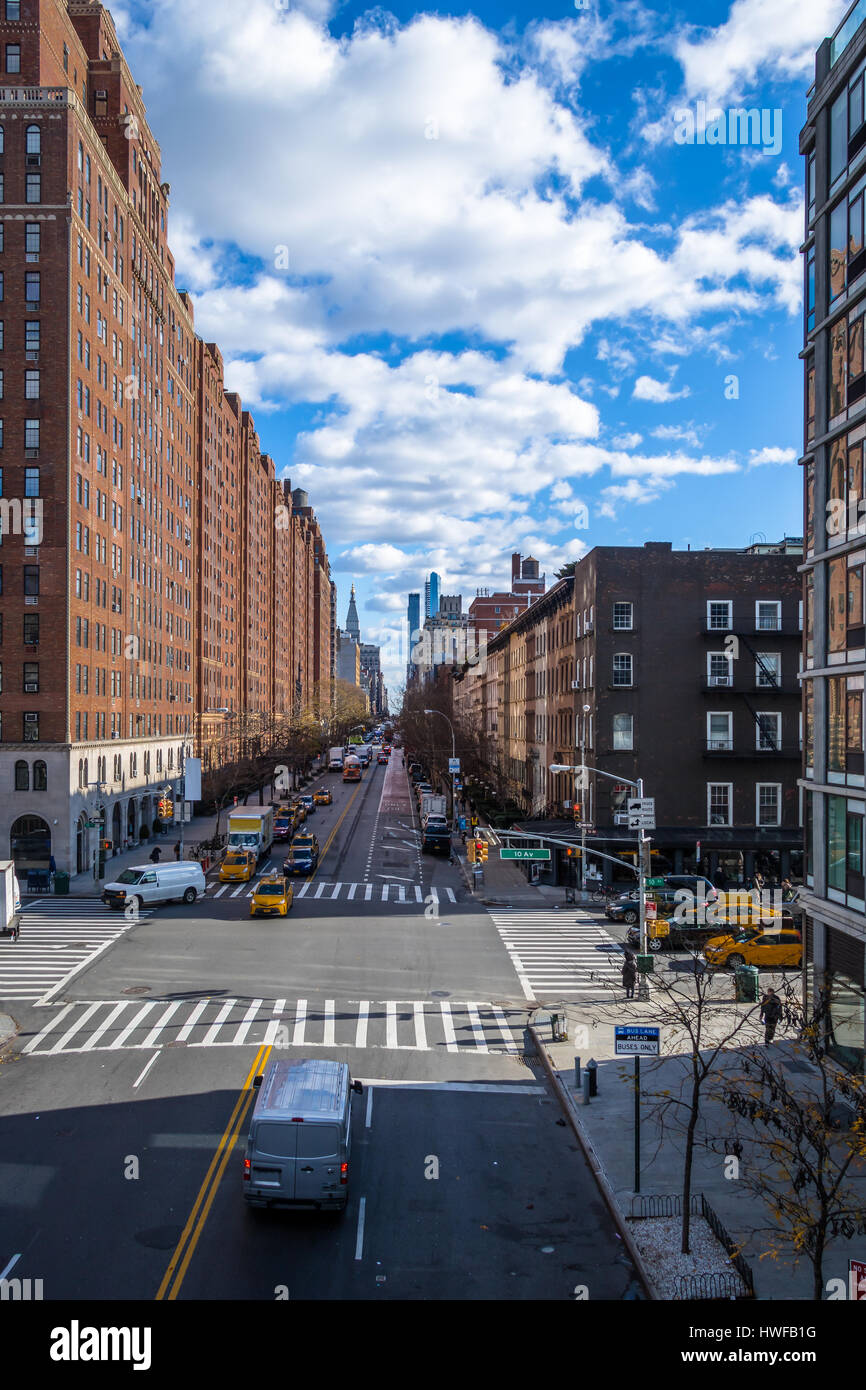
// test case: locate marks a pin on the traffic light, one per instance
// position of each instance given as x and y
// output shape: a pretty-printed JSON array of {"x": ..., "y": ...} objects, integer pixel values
[
  {"x": 470, "y": 851},
  {"x": 165, "y": 808},
  {"x": 578, "y": 810},
  {"x": 481, "y": 851}
]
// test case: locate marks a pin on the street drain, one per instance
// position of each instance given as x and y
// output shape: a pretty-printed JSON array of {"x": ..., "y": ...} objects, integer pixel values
[
  {"x": 136, "y": 989},
  {"x": 440, "y": 994}
]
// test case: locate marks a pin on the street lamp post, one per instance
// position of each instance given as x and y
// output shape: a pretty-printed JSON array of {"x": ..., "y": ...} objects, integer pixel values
[
  {"x": 641, "y": 842},
  {"x": 583, "y": 802},
  {"x": 453, "y": 756}
]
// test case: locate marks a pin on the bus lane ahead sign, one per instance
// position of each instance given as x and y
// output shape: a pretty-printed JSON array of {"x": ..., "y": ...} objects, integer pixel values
[{"x": 636, "y": 1041}]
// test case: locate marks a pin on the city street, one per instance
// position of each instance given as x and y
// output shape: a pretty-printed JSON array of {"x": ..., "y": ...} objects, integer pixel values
[{"x": 133, "y": 1190}]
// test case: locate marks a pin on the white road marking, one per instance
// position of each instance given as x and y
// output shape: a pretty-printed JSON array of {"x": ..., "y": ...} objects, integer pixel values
[
  {"x": 352, "y": 887},
  {"x": 418, "y": 897},
  {"x": 303, "y": 889},
  {"x": 300, "y": 1023},
  {"x": 368, "y": 892},
  {"x": 131, "y": 1027},
  {"x": 103, "y": 1027},
  {"x": 477, "y": 1030},
  {"x": 193, "y": 1018},
  {"x": 219, "y": 892},
  {"x": 448, "y": 1025},
  {"x": 359, "y": 1243},
  {"x": 319, "y": 891},
  {"x": 11, "y": 1265},
  {"x": 369, "y": 1107},
  {"x": 510, "y": 1044},
  {"x": 58, "y": 1018},
  {"x": 363, "y": 1020},
  {"x": 385, "y": 889},
  {"x": 420, "y": 1034},
  {"x": 152, "y": 1036},
  {"x": 244, "y": 1025},
  {"x": 329, "y": 1024},
  {"x": 391, "y": 1024},
  {"x": 147, "y": 1068},
  {"x": 218, "y": 1022},
  {"x": 483, "y": 1088}
]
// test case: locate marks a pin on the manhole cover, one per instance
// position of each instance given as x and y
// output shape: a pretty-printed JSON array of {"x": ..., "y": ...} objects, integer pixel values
[
  {"x": 440, "y": 994},
  {"x": 136, "y": 989},
  {"x": 178, "y": 1042}
]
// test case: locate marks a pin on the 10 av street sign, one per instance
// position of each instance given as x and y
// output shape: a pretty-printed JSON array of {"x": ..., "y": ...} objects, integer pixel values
[{"x": 524, "y": 854}]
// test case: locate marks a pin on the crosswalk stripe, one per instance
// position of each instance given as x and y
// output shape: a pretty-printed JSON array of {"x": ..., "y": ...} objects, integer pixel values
[
  {"x": 352, "y": 887},
  {"x": 368, "y": 892},
  {"x": 319, "y": 891},
  {"x": 421, "y": 1025},
  {"x": 220, "y": 891},
  {"x": 302, "y": 891},
  {"x": 552, "y": 950},
  {"x": 385, "y": 888},
  {"x": 417, "y": 894},
  {"x": 59, "y": 939}
]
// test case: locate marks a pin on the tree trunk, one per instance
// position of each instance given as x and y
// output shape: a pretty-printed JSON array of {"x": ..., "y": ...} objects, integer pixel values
[
  {"x": 687, "y": 1168},
  {"x": 818, "y": 1263}
]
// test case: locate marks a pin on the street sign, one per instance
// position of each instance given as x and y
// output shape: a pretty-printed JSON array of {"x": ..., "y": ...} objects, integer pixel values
[
  {"x": 524, "y": 854},
  {"x": 650, "y": 911},
  {"x": 453, "y": 764},
  {"x": 857, "y": 1280},
  {"x": 631, "y": 1041},
  {"x": 645, "y": 804},
  {"x": 655, "y": 883}
]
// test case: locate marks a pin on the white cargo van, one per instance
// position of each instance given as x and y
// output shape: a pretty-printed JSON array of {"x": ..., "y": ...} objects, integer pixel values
[
  {"x": 297, "y": 1152},
  {"x": 145, "y": 884}
]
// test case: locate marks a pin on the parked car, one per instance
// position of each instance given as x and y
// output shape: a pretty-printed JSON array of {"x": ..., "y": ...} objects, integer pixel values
[
  {"x": 770, "y": 949},
  {"x": 323, "y": 797},
  {"x": 273, "y": 895},
  {"x": 308, "y": 801},
  {"x": 382, "y": 758},
  {"x": 238, "y": 866}
]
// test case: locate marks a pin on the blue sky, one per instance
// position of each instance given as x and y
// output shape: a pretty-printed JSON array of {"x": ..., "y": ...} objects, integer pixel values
[{"x": 470, "y": 283}]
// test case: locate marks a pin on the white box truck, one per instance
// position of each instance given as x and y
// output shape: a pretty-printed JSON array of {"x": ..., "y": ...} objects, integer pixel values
[
  {"x": 252, "y": 827},
  {"x": 433, "y": 804},
  {"x": 335, "y": 760},
  {"x": 10, "y": 900}
]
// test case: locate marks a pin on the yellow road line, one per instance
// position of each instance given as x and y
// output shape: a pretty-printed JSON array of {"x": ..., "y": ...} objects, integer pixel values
[
  {"x": 206, "y": 1193},
  {"x": 330, "y": 838}
]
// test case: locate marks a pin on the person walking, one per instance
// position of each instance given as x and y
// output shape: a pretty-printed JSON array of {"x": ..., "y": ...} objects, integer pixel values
[
  {"x": 629, "y": 975},
  {"x": 154, "y": 854},
  {"x": 758, "y": 881},
  {"x": 177, "y": 850},
  {"x": 771, "y": 1012}
]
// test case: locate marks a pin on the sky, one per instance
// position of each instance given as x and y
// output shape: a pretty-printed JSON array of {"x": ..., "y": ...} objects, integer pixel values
[{"x": 482, "y": 279}]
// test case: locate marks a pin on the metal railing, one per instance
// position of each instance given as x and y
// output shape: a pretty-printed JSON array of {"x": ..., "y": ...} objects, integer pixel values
[{"x": 671, "y": 1204}]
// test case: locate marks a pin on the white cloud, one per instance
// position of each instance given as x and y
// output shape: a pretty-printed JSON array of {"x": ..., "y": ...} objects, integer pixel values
[
  {"x": 373, "y": 559},
  {"x": 686, "y": 434},
  {"x": 772, "y": 454},
  {"x": 646, "y": 388},
  {"x": 635, "y": 492},
  {"x": 627, "y": 441},
  {"x": 773, "y": 40}
]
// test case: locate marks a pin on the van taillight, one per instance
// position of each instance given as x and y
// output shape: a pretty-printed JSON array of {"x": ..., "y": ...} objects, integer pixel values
[
  {"x": 246, "y": 1170},
  {"x": 344, "y": 1172}
]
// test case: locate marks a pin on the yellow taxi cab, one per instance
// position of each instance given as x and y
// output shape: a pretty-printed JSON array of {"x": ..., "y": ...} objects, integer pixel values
[
  {"x": 299, "y": 811},
  {"x": 772, "y": 948},
  {"x": 272, "y": 895},
  {"x": 238, "y": 866},
  {"x": 323, "y": 797}
]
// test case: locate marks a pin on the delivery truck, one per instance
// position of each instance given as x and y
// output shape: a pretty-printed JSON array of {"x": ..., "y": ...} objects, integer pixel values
[
  {"x": 252, "y": 827},
  {"x": 351, "y": 768},
  {"x": 433, "y": 804},
  {"x": 335, "y": 760},
  {"x": 10, "y": 900}
]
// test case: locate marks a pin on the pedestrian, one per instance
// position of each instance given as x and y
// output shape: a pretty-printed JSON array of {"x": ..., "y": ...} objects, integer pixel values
[
  {"x": 771, "y": 1012},
  {"x": 629, "y": 975},
  {"x": 177, "y": 850},
  {"x": 758, "y": 881},
  {"x": 154, "y": 854},
  {"x": 52, "y": 869}
]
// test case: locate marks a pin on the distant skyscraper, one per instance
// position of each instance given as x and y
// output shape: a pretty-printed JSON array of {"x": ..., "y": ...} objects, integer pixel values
[
  {"x": 431, "y": 595},
  {"x": 414, "y": 614},
  {"x": 353, "y": 627}
]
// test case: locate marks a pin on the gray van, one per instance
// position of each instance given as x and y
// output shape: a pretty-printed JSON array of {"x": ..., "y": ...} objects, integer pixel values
[{"x": 297, "y": 1152}]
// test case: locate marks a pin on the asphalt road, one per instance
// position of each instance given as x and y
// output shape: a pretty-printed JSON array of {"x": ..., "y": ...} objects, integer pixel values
[{"x": 123, "y": 1103}]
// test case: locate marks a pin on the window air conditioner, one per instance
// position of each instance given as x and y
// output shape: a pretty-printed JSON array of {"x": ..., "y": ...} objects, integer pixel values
[
  {"x": 720, "y": 680},
  {"x": 575, "y": 685},
  {"x": 31, "y": 687},
  {"x": 30, "y": 599},
  {"x": 30, "y": 718}
]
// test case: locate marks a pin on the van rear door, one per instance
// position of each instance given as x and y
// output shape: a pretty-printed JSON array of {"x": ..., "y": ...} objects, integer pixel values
[
  {"x": 273, "y": 1158},
  {"x": 317, "y": 1166}
]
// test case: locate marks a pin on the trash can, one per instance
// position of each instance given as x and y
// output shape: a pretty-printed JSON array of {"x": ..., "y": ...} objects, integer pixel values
[
  {"x": 61, "y": 882},
  {"x": 746, "y": 990}
]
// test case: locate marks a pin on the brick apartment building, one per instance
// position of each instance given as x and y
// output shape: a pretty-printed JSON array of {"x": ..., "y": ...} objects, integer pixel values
[
  {"x": 156, "y": 586},
  {"x": 678, "y": 667},
  {"x": 490, "y": 612}
]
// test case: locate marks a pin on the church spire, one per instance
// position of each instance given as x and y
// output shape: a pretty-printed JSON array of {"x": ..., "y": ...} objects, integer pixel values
[{"x": 353, "y": 627}]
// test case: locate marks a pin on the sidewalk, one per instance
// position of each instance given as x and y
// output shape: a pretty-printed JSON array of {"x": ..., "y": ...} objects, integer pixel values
[
  {"x": 196, "y": 830},
  {"x": 606, "y": 1127}
]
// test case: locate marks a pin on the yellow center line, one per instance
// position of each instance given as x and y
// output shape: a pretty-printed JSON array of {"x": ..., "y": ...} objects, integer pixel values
[
  {"x": 330, "y": 838},
  {"x": 206, "y": 1193}
]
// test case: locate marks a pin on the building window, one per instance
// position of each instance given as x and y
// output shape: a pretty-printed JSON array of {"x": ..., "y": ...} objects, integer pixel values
[
  {"x": 622, "y": 669},
  {"x": 622, "y": 617},
  {"x": 31, "y": 629},
  {"x": 719, "y": 801},
  {"x": 31, "y": 677},
  {"x": 32, "y": 238},
  {"x": 719, "y": 615},
  {"x": 31, "y": 580},
  {"x": 33, "y": 188},
  {"x": 31, "y": 384},
  {"x": 720, "y": 669},
  {"x": 31, "y": 727},
  {"x": 22, "y": 775},
  {"x": 13, "y": 9},
  {"x": 13, "y": 57},
  {"x": 768, "y": 803},
  {"x": 40, "y": 776},
  {"x": 719, "y": 732},
  {"x": 32, "y": 335},
  {"x": 33, "y": 286},
  {"x": 31, "y": 482},
  {"x": 623, "y": 732},
  {"x": 768, "y": 732},
  {"x": 768, "y": 670},
  {"x": 31, "y": 434},
  {"x": 768, "y": 615}
]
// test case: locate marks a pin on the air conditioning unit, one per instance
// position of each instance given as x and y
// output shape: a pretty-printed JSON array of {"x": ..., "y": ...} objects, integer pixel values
[
  {"x": 588, "y": 627},
  {"x": 31, "y": 600},
  {"x": 720, "y": 680},
  {"x": 31, "y": 356},
  {"x": 575, "y": 685},
  {"x": 31, "y": 550},
  {"x": 31, "y": 453},
  {"x": 31, "y": 687},
  {"x": 32, "y": 257},
  {"x": 34, "y": 161}
]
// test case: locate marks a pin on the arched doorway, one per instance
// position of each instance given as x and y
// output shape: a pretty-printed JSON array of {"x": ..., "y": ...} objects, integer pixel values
[
  {"x": 130, "y": 820},
  {"x": 30, "y": 844},
  {"x": 81, "y": 844},
  {"x": 146, "y": 814},
  {"x": 116, "y": 828}
]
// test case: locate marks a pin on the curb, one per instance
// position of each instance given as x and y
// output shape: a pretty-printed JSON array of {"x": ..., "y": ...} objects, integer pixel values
[
  {"x": 595, "y": 1165},
  {"x": 6, "y": 1037}
]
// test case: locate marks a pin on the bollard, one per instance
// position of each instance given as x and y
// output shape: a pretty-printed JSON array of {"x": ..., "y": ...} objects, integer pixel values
[
  {"x": 586, "y": 1087},
  {"x": 577, "y": 1073},
  {"x": 592, "y": 1070}
]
